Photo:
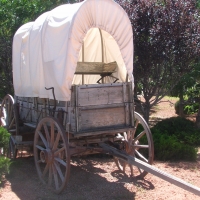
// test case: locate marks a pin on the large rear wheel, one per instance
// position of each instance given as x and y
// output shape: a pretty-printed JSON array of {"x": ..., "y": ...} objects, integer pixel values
[{"x": 51, "y": 152}]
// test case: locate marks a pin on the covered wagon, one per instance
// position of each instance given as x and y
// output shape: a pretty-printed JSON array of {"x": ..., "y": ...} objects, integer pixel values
[{"x": 73, "y": 84}]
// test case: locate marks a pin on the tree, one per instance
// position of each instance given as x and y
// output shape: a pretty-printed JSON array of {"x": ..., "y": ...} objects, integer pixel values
[
  {"x": 187, "y": 89},
  {"x": 166, "y": 44},
  {"x": 13, "y": 14}
]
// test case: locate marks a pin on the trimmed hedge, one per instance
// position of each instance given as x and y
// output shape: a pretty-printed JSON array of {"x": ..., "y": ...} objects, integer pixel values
[{"x": 175, "y": 139}]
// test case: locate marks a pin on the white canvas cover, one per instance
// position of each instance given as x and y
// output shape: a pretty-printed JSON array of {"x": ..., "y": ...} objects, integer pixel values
[{"x": 46, "y": 51}]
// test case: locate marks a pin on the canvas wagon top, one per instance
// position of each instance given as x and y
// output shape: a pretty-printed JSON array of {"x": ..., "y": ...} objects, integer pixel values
[{"x": 46, "y": 52}]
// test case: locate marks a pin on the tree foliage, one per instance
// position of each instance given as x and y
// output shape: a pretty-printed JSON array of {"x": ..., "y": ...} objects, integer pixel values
[
  {"x": 166, "y": 44},
  {"x": 13, "y": 14}
]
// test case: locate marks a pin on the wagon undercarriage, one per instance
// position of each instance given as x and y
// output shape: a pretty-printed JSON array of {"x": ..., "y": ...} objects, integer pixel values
[{"x": 53, "y": 147}]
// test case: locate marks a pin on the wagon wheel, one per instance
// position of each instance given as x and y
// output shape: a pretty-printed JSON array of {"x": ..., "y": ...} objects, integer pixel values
[
  {"x": 8, "y": 115},
  {"x": 141, "y": 147},
  {"x": 51, "y": 152},
  {"x": 12, "y": 150}
]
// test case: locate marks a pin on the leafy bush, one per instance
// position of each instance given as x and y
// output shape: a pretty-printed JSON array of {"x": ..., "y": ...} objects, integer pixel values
[
  {"x": 191, "y": 109},
  {"x": 4, "y": 139},
  {"x": 188, "y": 109},
  {"x": 4, "y": 162},
  {"x": 170, "y": 148},
  {"x": 4, "y": 166},
  {"x": 182, "y": 128},
  {"x": 175, "y": 139}
]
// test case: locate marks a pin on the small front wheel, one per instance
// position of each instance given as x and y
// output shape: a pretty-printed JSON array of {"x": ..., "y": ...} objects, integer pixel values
[
  {"x": 8, "y": 117},
  {"x": 139, "y": 144}
]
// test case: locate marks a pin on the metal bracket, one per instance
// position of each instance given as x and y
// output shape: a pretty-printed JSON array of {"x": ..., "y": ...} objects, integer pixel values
[{"x": 54, "y": 108}]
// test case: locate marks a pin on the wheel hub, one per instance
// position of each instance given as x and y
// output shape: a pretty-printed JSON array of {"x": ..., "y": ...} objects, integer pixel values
[
  {"x": 128, "y": 147},
  {"x": 46, "y": 156}
]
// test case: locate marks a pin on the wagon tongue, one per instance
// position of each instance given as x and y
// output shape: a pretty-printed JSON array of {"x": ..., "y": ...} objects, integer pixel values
[{"x": 151, "y": 169}]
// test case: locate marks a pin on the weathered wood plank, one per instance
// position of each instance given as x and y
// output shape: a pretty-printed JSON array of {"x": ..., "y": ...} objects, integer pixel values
[
  {"x": 100, "y": 118},
  {"x": 112, "y": 130},
  {"x": 101, "y": 94}
]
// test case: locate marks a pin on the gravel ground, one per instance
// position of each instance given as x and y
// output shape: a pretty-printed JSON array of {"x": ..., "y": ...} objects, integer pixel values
[{"x": 98, "y": 178}]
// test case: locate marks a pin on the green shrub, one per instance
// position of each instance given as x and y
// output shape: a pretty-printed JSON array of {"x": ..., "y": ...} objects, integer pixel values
[
  {"x": 184, "y": 130},
  {"x": 4, "y": 139},
  {"x": 4, "y": 162},
  {"x": 188, "y": 109},
  {"x": 4, "y": 166},
  {"x": 169, "y": 148},
  {"x": 175, "y": 139},
  {"x": 191, "y": 109}
]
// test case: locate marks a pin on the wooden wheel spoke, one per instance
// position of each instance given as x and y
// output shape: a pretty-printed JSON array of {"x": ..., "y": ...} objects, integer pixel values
[
  {"x": 59, "y": 171},
  {"x": 4, "y": 113},
  {"x": 124, "y": 166},
  {"x": 140, "y": 146},
  {"x": 6, "y": 104},
  {"x": 56, "y": 142},
  {"x": 10, "y": 113},
  {"x": 11, "y": 124},
  {"x": 50, "y": 175},
  {"x": 45, "y": 170},
  {"x": 61, "y": 161},
  {"x": 5, "y": 116},
  {"x": 141, "y": 156},
  {"x": 52, "y": 134},
  {"x": 43, "y": 139},
  {"x": 139, "y": 170},
  {"x": 55, "y": 175},
  {"x": 47, "y": 134},
  {"x": 3, "y": 121},
  {"x": 125, "y": 135},
  {"x": 136, "y": 125},
  {"x": 139, "y": 136},
  {"x": 39, "y": 147},
  {"x": 59, "y": 151}
]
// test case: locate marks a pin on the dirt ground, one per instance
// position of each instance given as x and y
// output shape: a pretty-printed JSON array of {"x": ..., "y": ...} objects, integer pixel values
[{"x": 97, "y": 177}]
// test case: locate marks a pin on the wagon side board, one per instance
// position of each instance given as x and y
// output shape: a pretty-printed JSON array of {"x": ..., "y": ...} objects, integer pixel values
[
  {"x": 97, "y": 109},
  {"x": 33, "y": 109}
]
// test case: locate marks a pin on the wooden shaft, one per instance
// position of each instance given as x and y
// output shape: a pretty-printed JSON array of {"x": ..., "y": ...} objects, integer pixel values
[
  {"x": 127, "y": 77},
  {"x": 151, "y": 169},
  {"x": 165, "y": 176},
  {"x": 102, "y": 52},
  {"x": 83, "y": 82}
]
